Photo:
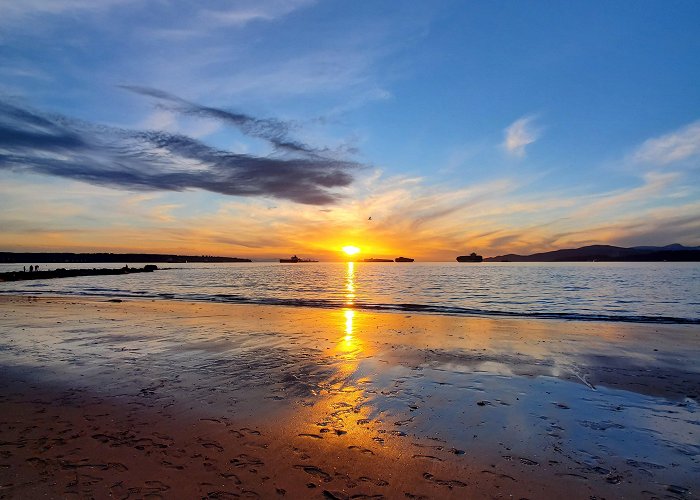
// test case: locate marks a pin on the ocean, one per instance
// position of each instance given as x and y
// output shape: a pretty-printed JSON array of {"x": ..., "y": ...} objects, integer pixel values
[{"x": 661, "y": 292}]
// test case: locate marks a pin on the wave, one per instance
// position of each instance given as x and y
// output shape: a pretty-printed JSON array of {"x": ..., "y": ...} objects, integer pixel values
[{"x": 368, "y": 306}]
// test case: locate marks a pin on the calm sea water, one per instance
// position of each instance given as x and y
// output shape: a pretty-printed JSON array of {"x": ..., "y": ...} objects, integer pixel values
[{"x": 644, "y": 292}]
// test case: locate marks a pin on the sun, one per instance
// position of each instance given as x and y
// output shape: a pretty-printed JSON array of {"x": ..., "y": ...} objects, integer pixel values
[{"x": 351, "y": 250}]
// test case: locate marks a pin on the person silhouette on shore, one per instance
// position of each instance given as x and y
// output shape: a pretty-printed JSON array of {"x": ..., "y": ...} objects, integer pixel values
[
  {"x": 31, "y": 269},
  {"x": 24, "y": 269}
]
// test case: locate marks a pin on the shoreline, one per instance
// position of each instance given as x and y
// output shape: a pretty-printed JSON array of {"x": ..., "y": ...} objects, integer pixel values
[
  {"x": 420, "y": 309},
  {"x": 351, "y": 402}
]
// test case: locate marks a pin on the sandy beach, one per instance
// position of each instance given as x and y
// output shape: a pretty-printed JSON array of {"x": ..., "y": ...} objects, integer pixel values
[{"x": 166, "y": 399}]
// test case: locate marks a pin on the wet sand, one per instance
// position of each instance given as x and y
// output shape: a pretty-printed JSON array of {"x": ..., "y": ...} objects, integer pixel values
[{"x": 141, "y": 399}]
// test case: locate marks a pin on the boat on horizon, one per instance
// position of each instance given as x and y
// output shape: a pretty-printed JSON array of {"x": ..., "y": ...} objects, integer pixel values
[
  {"x": 472, "y": 257},
  {"x": 403, "y": 259},
  {"x": 295, "y": 260}
]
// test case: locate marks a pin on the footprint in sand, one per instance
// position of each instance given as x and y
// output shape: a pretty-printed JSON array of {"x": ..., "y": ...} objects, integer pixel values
[
  {"x": 315, "y": 471},
  {"x": 223, "y": 495},
  {"x": 302, "y": 454},
  {"x": 314, "y": 436},
  {"x": 377, "y": 482},
  {"x": 500, "y": 476},
  {"x": 404, "y": 422},
  {"x": 428, "y": 457},
  {"x": 361, "y": 450},
  {"x": 171, "y": 465},
  {"x": 527, "y": 461},
  {"x": 449, "y": 483},
  {"x": 210, "y": 444},
  {"x": 157, "y": 485},
  {"x": 252, "y": 444},
  {"x": 339, "y": 495},
  {"x": 244, "y": 460},
  {"x": 411, "y": 496},
  {"x": 231, "y": 477},
  {"x": 338, "y": 432}
]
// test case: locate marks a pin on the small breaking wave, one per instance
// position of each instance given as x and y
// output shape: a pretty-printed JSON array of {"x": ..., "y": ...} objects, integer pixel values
[{"x": 366, "y": 306}]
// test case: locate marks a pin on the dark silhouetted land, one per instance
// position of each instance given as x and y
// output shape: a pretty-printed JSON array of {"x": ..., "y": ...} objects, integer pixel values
[
  {"x": 72, "y": 273},
  {"x": 608, "y": 253},
  {"x": 75, "y": 258}
]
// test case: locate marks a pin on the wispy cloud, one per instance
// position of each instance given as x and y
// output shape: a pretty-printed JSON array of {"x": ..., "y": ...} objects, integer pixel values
[
  {"x": 520, "y": 134},
  {"x": 12, "y": 9},
  {"x": 654, "y": 186},
  {"x": 156, "y": 160},
  {"x": 244, "y": 12},
  {"x": 323, "y": 71},
  {"x": 274, "y": 131},
  {"x": 238, "y": 14},
  {"x": 670, "y": 148}
]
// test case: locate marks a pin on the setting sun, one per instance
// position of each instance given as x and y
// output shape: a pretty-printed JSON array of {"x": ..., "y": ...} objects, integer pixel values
[{"x": 351, "y": 250}]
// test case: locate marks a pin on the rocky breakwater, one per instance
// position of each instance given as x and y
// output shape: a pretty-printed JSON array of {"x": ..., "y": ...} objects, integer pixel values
[{"x": 71, "y": 273}]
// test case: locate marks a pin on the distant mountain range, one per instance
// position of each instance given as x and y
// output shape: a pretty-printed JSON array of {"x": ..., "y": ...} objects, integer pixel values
[
  {"x": 608, "y": 253},
  {"x": 52, "y": 257}
]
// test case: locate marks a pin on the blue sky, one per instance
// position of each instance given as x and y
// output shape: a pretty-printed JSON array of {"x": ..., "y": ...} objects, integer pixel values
[{"x": 268, "y": 127}]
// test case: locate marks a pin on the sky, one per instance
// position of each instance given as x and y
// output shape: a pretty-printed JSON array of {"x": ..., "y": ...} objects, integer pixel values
[{"x": 267, "y": 128}]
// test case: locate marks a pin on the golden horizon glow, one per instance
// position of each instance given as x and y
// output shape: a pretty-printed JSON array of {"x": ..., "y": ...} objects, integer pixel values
[{"x": 351, "y": 250}]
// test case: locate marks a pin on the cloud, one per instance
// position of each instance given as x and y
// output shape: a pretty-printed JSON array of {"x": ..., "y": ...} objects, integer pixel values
[
  {"x": 56, "y": 145},
  {"x": 12, "y": 9},
  {"x": 240, "y": 14},
  {"x": 655, "y": 186},
  {"x": 322, "y": 71},
  {"x": 670, "y": 148},
  {"x": 244, "y": 12},
  {"x": 274, "y": 131},
  {"x": 648, "y": 226},
  {"x": 519, "y": 134}
]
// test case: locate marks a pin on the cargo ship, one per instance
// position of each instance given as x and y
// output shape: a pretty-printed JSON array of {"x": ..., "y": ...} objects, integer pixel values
[
  {"x": 295, "y": 260},
  {"x": 472, "y": 257}
]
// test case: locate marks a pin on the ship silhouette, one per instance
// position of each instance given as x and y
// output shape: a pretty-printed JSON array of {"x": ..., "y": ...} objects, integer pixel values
[
  {"x": 472, "y": 257},
  {"x": 295, "y": 260}
]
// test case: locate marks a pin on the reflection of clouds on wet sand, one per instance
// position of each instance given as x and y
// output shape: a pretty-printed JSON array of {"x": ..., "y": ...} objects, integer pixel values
[{"x": 444, "y": 405}]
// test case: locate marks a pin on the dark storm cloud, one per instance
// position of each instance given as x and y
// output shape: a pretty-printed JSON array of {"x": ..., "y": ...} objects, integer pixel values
[
  {"x": 274, "y": 131},
  {"x": 154, "y": 160}
]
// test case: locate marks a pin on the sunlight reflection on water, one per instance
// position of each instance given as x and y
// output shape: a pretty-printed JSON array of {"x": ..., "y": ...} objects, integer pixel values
[{"x": 578, "y": 290}]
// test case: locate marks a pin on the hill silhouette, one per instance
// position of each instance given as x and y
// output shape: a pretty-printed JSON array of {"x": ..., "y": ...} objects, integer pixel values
[{"x": 608, "y": 253}]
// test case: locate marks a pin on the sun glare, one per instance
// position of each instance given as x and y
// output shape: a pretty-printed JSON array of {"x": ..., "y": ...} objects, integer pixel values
[{"x": 351, "y": 250}]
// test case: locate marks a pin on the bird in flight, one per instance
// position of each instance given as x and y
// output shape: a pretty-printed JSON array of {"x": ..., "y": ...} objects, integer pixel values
[{"x": 369, "y": 218}]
